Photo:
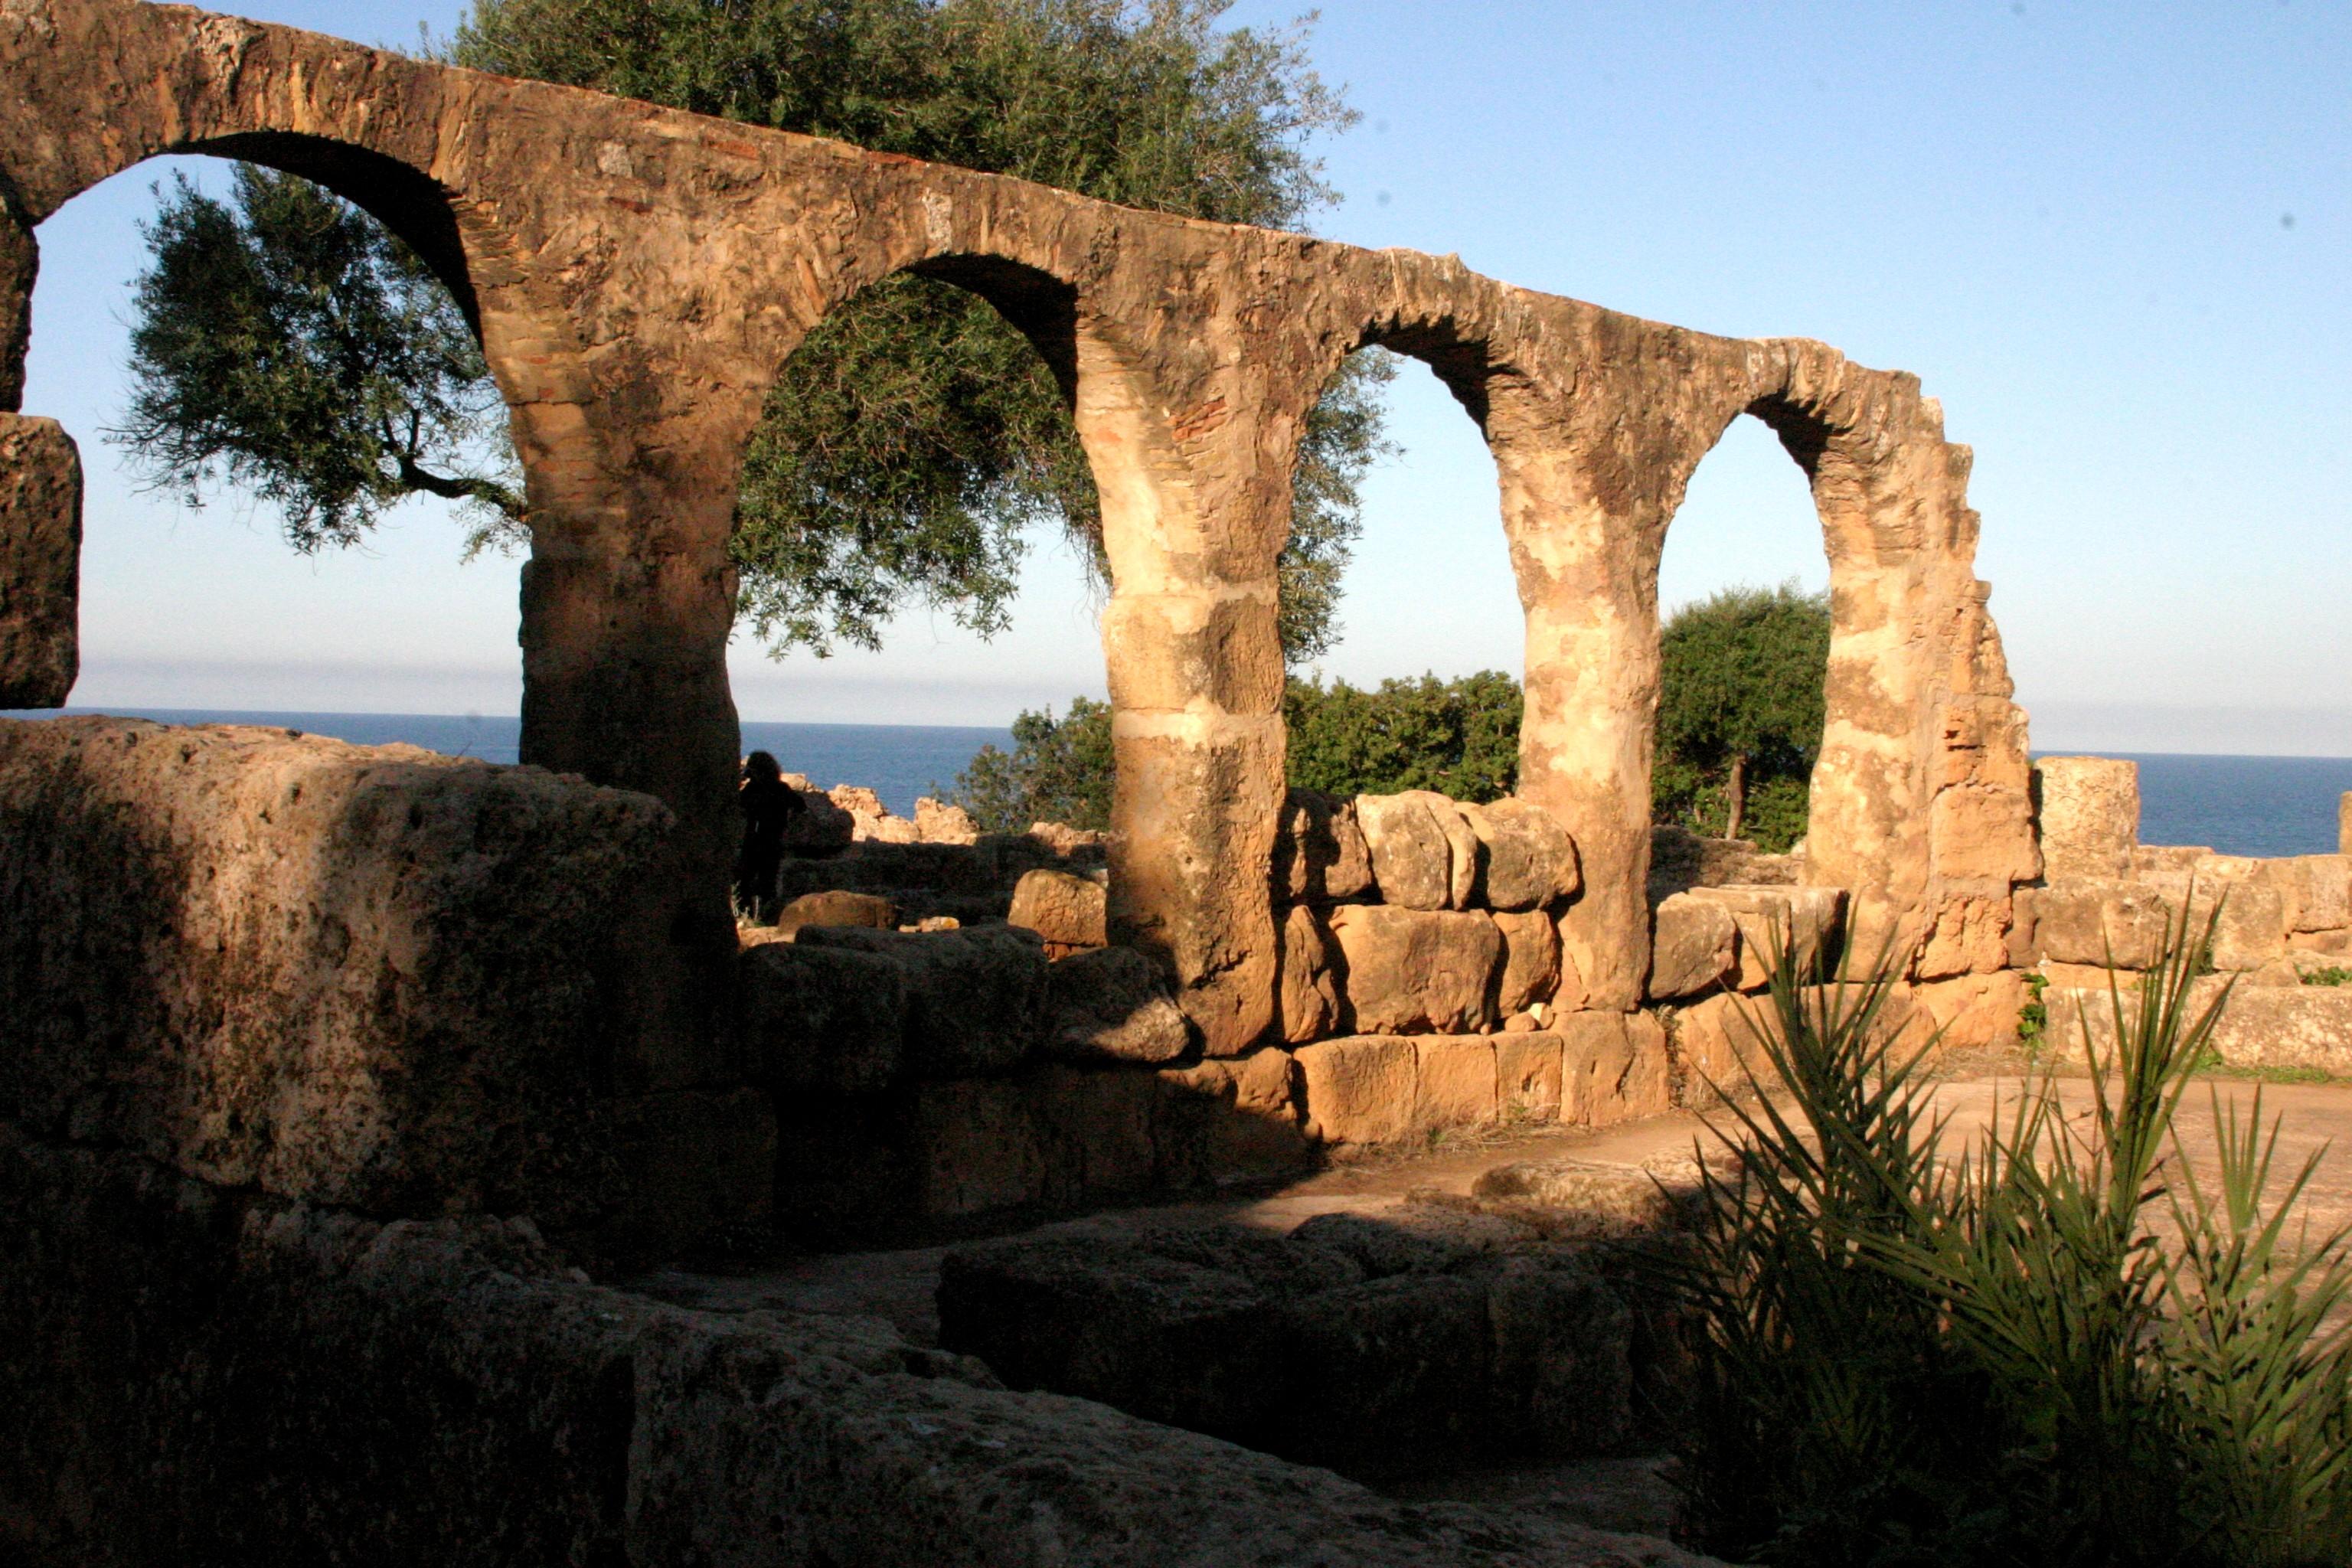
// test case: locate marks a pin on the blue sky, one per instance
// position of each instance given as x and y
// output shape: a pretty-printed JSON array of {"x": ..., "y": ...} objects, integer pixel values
[{"x": 2113, "y": 241}]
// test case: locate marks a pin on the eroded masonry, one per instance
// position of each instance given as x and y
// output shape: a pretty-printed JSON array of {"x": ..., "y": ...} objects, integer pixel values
[{"x": 272, "y": 999}]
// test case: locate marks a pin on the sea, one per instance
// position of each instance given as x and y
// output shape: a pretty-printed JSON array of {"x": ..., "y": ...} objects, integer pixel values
[{"x": 2238, "y": 805}]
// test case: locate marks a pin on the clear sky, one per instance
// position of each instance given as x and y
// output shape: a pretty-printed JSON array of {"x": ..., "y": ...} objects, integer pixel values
[{"x": 2112, "y": 239}]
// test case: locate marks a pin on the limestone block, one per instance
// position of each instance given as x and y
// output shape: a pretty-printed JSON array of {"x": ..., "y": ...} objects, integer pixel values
[
  {"x": 1415, "y": 971},
  {"x": 1973, "y": 1012},
  {"x": 1610, "y": 1198},
  {"x": 2101, "y": 922},
  {"x": 1310, "y": 996},
  {"x": 2344, "y": 824},
  {"x": 1528, "y": 1076},
  {"x": 936, "y": 823},
  {"x": 1529, "y": 858},
  {"x": 2323, "y": 891},
  {"x": 814, "y": 1018},
  {"x": 1970, "y": 936},
  {"x": 1716, "y": 1046},
  {"x": 835, "y": 907},
  {"x": 976, "y": 1146},
  {"x": 1465, "y": 856},
  {"x": 40, "y": 562},
  {"x": 1982, "y": 833},
  {"x": 1613, "y": 1067},
  {"x": 1359, "y": 1088},
  {"x": 822, "y": 828},
  {"x": 1228, "y": 1119},
  {"x": 1113, "y": 1003},
  {"x": 1067, "y": 910},
  {"x": 1319, "y": 854},
  {"x": 1530, "y": 961},
  {"x": 1455, "y": 1082},
  {"x": 1648, "y": 1087},
  {"x": 1096, "y": 1130},
  {"x": 1412, "y": 840},
  {"x": 1693, "y": 945},
  {"x": 2157, "y": 860},
  {"x": 974, "y": 996},
  {"x": 2252, "y": 928},
  {"x": 2087, "y": 809},
  {"x": 1770, "y": 918},
  {"x": 371, "y": 978}
]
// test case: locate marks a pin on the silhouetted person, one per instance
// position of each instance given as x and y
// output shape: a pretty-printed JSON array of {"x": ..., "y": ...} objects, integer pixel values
[{"x": 768, "y": 805}]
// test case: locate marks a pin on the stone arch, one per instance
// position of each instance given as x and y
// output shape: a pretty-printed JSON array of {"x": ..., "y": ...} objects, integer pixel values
[{"x": 1919, "y": 804}]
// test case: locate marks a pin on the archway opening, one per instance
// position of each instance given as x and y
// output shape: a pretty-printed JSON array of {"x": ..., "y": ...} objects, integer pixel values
[
  {"x": 1744, "y": 607},
  {"x": 281, "y": 365},
  {"x": 918, "y": 543},
  {"x": 1400, "y": 615}
]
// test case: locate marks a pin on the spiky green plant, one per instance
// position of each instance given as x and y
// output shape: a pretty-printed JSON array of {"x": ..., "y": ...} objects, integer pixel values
[{"x": 1999, "y": 1357}]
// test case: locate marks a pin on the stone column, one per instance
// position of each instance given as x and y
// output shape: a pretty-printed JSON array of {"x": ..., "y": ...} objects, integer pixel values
[
  {"x": 627, "y": 601},
  {"x": 40, "y": 509},
  {"x": 1586, "y": 557},
  {"x": 2087, "y": 809},
  {"x": 1194, "y": 512}
]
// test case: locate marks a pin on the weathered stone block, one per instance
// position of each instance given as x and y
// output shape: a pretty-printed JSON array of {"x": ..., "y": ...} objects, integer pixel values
[
  {"x": 1112, "y": 1002},
  {"x": 1529, "y": 858},
  {"x": 817, "y": 1018},
  {"x": 1097, "y": 1130},
  {"x": 1530, "y": 961},
  {"x": 373, "y": 977},
  {"x": 976, "y": 1146},
  {"x": 935, "y": 823},
  {"x": 2343, "y": 823},
  {"x": 1770, "y": 918},
  {"x": 834, "y": 907},
  {"x": 1235, "y": 1119},
  {"x": 1360, "y": 1088},
  {"x": 1455, "y": 1082},
  {"x": 2250, "y": 930},
  {"x": 1982, "y": 833},
  {"x": 1528, "y": 1076},
  {"x": 1613, "y": 1067},
  {"x": 1067, "y": 910},
  {"x": 974, "y": 997},
  {"x": 2087, "y": 809},
  {"x": 1974, "y": 1012},
  {"x": 1970, "y": 936},
  {"x": 2099, "y": 922},
  {"x": 1415, "y": 971},
  {"x": 2322, "y": 890},
  {"x": 1410, "y": 849},
  {"x": 1321, "y": 855},
  {"x": 40, "y": 562},
  {"x": 1715, "y": 1047},
  {"x": 1309, "y": 996},
  {"x": 1695, "y": 946}
]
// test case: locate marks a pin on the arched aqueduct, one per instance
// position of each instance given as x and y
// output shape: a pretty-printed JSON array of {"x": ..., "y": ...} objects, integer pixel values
[{"x": 640, "y": 277}]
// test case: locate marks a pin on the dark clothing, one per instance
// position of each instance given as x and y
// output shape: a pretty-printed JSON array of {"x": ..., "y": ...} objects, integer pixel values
[{"x": 768, "y": 808}]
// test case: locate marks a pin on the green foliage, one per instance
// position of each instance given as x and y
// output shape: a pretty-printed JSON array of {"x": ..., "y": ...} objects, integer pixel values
[
  {"x": 2332, "y": 974},
  {"x": 286, "y": 343},
  {"x": 1059, "y": 770},
  {"x": 2033, "y": 1016},
  {"x": 1459, "y": 737},
  {"x": 915, "y": 437},
  {"x": 1740, "y": 709},
  {"x": 2001, "y": 1359}
]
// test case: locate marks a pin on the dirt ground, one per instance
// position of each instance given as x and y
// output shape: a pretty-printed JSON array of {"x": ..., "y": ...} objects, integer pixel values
[{"x": 1625, "y": 1493}]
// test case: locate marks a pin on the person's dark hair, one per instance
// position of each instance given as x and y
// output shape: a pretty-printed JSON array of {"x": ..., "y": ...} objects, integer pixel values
[{"x": 762, "y": 765}]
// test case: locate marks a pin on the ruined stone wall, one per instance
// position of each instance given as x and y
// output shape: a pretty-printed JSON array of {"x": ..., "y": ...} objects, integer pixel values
[
  {"x": 374, "y": 978},
  {"x": 234, "y": 1379},
  {"x": 2107, "y": 901},
  {"x": 641, "y": 277}
]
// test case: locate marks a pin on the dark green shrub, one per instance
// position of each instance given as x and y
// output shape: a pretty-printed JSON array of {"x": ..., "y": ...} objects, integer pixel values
[{"x": 2003, "y": 1359}]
